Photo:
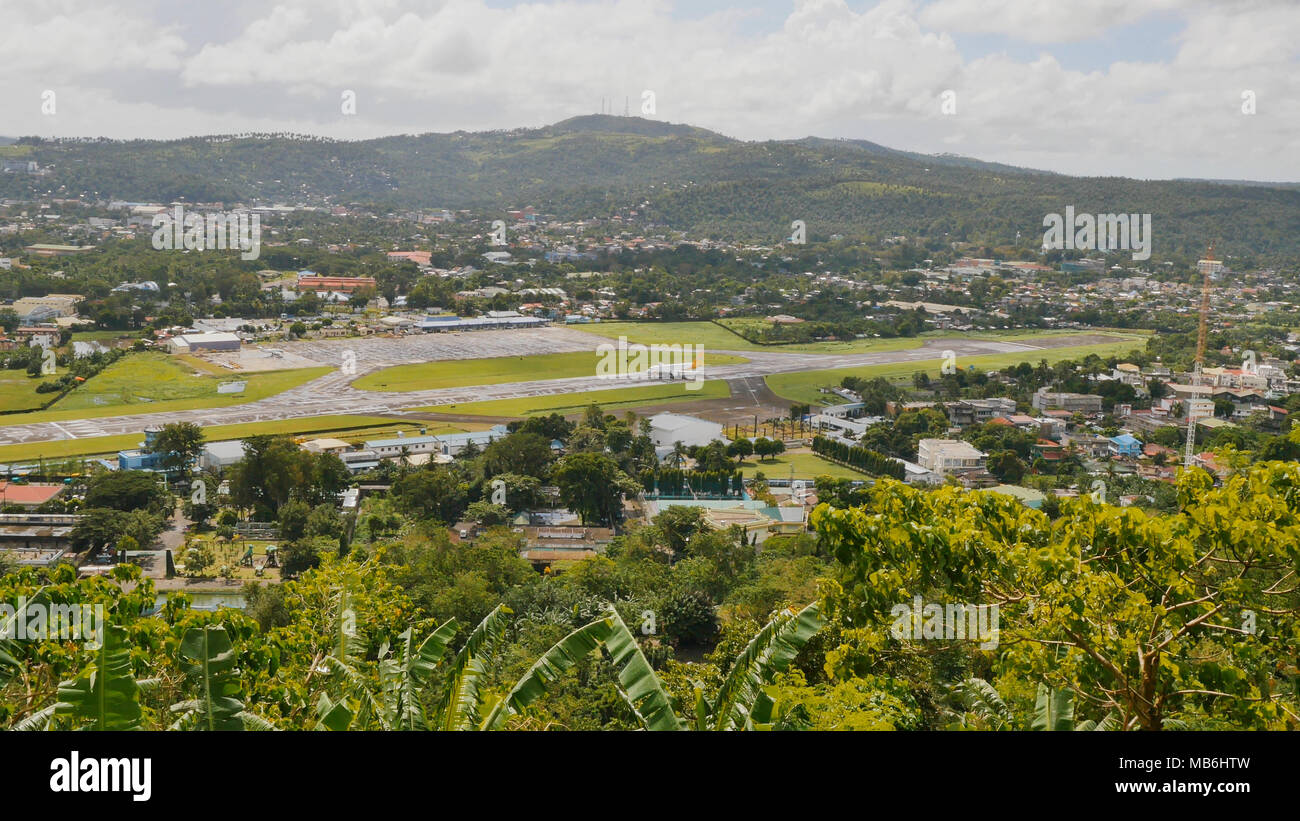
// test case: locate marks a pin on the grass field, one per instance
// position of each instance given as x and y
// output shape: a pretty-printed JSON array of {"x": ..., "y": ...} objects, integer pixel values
[
  {"x": 459, "y": 373},
  {"x": 807, "y": 465},
  {"x": 348, "y": 428},
  {"x": 154, "y": 383},
  {"x": 803, "y": 386},
  {"x": 714, "y": 338},
  {"x": 103, "y": 336},
  {"x": 566, "y": 403},
  {"x": 18, "y": 392}
]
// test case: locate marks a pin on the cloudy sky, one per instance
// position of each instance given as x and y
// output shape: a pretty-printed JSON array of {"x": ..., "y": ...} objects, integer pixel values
[{"x": 1141, "y": 88}]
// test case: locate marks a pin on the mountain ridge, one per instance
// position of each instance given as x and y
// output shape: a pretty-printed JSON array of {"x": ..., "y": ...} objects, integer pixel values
[{"x": 674, "y": 175}]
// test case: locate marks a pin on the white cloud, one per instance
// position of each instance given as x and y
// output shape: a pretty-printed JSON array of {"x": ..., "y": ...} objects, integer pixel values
[
  {"x": 828, "y": 70},
  {"x": 1041, "y": 21}
]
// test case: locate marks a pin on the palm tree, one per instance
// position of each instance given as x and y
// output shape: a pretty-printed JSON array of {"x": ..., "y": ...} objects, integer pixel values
[{"x": 678, "y": 455}]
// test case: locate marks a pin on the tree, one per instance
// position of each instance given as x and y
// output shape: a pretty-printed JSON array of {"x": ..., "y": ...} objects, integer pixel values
[
  {"x": 527, "y": 454},
  {"x": 274, "y": 469},
  {"x": 293, "y": 520},
  {"x": 487, "y": 514},
  {"x": 179, "y": 445},
  {"x": 298, "y": 557},
  {"x": 324, "y": 521},
  {"x": 197, "y": 558},
  {"x": 1153, "y": 617},
  {"x": 97, "y": 528},
  {"x": 676, "y": 526},
  {"x": 127, "y": 490},
  {"x": 436, "y": 492},
  {"x": 591, "y": 485},
  {"x": 689, "y": 617},
  {"x": 742, "y": 447},
  {"x": 1006, "y": 465}
]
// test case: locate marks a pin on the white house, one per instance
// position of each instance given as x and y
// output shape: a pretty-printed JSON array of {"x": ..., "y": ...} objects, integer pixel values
[
  {"x": 217, "y": 455},
  {"x": 948, "y": 455}
]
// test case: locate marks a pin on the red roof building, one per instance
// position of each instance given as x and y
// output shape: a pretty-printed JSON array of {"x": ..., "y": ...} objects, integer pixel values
[
  {"x": 324, "y": 283},
  {"x": 31, "y": 495}
]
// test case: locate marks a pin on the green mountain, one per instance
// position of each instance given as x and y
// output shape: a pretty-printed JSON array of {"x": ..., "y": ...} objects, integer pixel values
[{"x": 687, "y": 178}]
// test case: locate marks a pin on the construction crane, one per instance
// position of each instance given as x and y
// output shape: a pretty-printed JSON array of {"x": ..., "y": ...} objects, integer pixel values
[{"x": 1202, "y": 333}]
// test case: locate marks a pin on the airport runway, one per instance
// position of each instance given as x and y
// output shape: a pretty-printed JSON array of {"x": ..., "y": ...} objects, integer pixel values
[{"x": 332, "y": 394}]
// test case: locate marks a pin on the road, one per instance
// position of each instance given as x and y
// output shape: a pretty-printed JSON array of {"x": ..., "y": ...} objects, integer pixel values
[{"x": 333, "y": 393}]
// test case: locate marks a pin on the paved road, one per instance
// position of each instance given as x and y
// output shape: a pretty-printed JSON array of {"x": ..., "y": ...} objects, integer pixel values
[{"x": 333, "y": 394}]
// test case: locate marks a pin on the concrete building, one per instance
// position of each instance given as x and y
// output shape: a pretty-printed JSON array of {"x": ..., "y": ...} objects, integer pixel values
[
  {"x": 667, "y": 429},
  {"x": 839, "y": 425},
  {"x": 36, "y": 539},
  {"x": 1046, "y": 398},
  {"x": 945, "y": 456},
  {"x": 218, "y": 455},
  {"x": 326, "y": 445},
  {"x": 1126, "y": 445},
  {"x": 32, "y": 309},
  {"x": 141, "y": 458},
  {"x": 966, "y": 412},
  {"x": 447, "y": 444},
  {"x": 38, "y": 337}
]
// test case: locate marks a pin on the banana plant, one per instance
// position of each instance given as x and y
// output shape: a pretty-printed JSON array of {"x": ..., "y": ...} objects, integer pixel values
[
  {"x": 639, "y": 686},
  {"x": 10, "y": 653},
  {"x": 979, "y": 697},
  {"x": 741, "y": 703},
  {"x": 343, "y": 661},
  {"x": 1053, "y": 709},
  {"x": 207, "y": 658},
  {"x": 637, "y": 681},
  {"x": 405, "y": 673},
  {"x": 106, "y": 695},
  {"x": 463, "y": 697}
]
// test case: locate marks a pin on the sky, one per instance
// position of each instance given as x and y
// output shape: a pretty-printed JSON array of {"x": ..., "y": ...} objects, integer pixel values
[{"x": 1136, "y": 88}]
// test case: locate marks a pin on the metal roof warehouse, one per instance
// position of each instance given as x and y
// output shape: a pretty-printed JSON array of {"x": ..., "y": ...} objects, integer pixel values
[{"x": 477, "y": 323}]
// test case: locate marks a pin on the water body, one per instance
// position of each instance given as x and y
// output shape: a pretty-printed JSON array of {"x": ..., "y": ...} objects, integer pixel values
[{"x": 206, "y": 600}]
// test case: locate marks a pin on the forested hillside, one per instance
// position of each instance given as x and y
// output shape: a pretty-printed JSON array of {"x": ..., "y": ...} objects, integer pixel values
[{"x": 683, "y": 177}]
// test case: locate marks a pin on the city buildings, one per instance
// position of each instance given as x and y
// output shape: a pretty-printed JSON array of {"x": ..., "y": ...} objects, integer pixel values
[{"x": 945, "y": 456}]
